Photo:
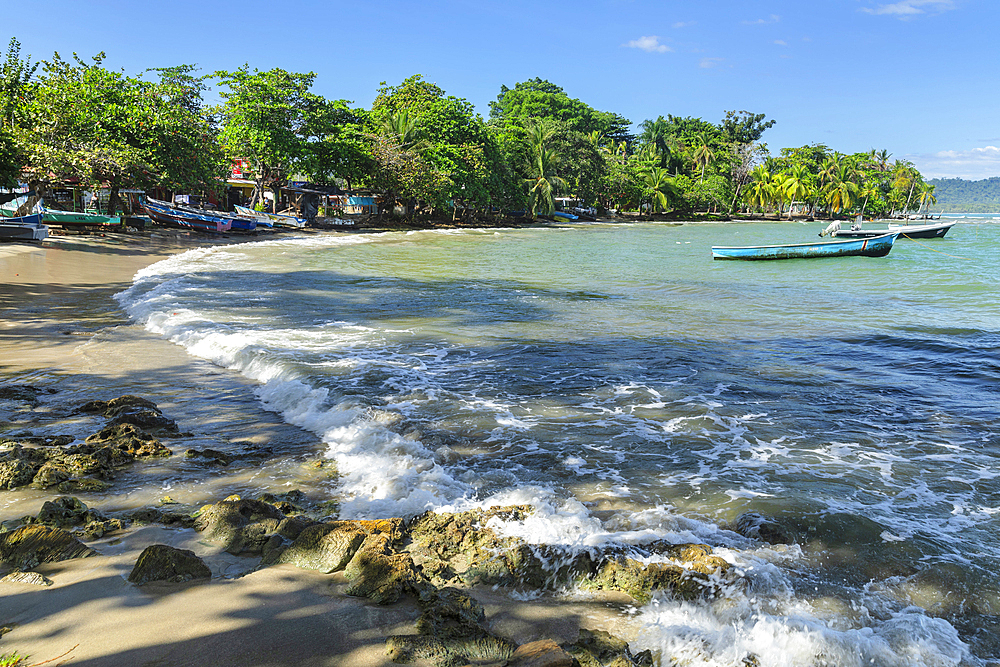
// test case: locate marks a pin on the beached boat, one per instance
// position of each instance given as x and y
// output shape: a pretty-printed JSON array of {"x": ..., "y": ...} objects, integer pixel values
[
  {"x": 261, "y": 218},
  {"x": 287, "y": 220},
  {"x": 878, "y": 246},
  {"x": 51, "y": 216},
  {"x": 278, "y": 219},
  {"x": 167, "y": 214},
  {"x": 23, "y": 228},
  {"x": 934, "y": 231}
]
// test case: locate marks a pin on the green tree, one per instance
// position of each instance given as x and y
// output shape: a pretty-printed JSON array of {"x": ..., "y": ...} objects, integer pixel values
[
  {"x": 743, "y": 127},
  {"x": 538, "y": 99},
  {"x": 455, "y": 141},
  {"x": 107, "y": 129},
  {"x": 265, "y": 116},
  {"x": 796, "y": 185},
  {"x": 15, "y": 87},
  {"x": 703, "y": 154},
  {"x": 542, "y": 180},
  {"x": 660, "y": 188}
]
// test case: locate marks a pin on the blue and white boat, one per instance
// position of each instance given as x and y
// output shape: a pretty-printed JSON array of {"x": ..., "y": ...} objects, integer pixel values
[
  {"x": 878, "y": 246},
  {"x": 23, "y": 228}
]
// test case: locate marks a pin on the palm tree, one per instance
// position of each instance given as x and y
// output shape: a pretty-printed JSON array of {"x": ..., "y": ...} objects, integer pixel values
[
  {"x": 758, "y": 193},
  {"x": 795, "y": 185},
  {"x": 703, "y": 154},
  {"x": 660, "y": 186},
  {"x": 927, "y": 196},
  {"x": 656, "y": 133},
  {"x": 542, "y": 180},
  {"x": 842, "y": 190},
  {"x": 404, "y": 129},
  {"x": 905, "y": 176},
  {"x": 869, "y": 188}
]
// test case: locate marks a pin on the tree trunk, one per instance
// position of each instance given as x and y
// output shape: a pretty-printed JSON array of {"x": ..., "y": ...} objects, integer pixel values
[
  {"x": 113, "y": 196},
  {"x": 907, "y": 207}
]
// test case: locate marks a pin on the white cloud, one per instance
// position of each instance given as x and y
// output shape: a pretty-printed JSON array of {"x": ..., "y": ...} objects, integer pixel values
[
  {"x": 773, "y": 18},
  {"x": 781, "y": 42},
  {"x": 974, "y": 164},
  {"x": 708, "y": 63},
  {"x": 683, "y": 24},
  {"x": 907, "y": 9},
  {"x": 650, "y": 44}
]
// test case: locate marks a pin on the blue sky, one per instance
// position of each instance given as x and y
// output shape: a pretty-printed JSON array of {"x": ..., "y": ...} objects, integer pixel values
[{"x": 915, "y": 77}]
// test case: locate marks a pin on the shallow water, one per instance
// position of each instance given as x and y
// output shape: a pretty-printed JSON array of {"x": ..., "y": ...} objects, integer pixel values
[{"x": 633, "y": 389}]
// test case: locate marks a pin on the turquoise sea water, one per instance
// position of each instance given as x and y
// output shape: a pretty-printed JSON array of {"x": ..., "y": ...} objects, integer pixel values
[{"x": 633, "y": 389}]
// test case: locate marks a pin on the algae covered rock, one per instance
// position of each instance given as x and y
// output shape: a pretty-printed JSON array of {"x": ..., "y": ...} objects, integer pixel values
[
  {"x": 65, "y": 511},
  {"x": 107, "y": 407},
  {"x": 161, "y": 562},
  {"x": 52, "y": 473},
  {"x": 757, "y": 526},
  {"x": 452, "y": 631},
  {"x": 242, "y": 525},
  {"x": 327, "y": 547},
  {"x": 133, "y": 410},
  {"x": 130, "y": 440},
  {"x": 29, "y": 546},
  {"x": 460, "y": 547},
  {"x": 381, "y": 577},
  {"x": 692, "y": 576},
  {"x": 15, "y": 472},
  {"x": 596, "y": 648}
]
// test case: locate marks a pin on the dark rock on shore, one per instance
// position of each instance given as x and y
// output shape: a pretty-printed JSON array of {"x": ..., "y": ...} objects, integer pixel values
[
  {"x": 458, "y": 548},
  {"x": 108, "y": 408},
  {"x": 213, "y": 456},
  {"x": 242, "y": 525},
  {"x": 133, "y": 410},
  {"x": 45, "y": 463},
  {"x": 15, "y": 472},
  {"x": 452, "y": 631},
  {"x": 161, "y": 562},
  {"x": 23, "y": 393},
  {"x": 29, "y": 546},
  {"x": 757, "y": 526},
  {"x": 595, "y": 648}
]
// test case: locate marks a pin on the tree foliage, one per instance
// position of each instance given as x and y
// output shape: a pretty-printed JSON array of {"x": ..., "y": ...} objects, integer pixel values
[
  {"x": 86, "y": 123},
  {"x": 265, "y": 119}
]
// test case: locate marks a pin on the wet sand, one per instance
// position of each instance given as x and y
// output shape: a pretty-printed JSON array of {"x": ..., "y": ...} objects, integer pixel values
[{"x": 62, "y": 331}]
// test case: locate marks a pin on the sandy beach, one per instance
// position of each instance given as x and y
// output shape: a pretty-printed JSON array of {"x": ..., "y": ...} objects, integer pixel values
[{"x": 62, "y": 331}]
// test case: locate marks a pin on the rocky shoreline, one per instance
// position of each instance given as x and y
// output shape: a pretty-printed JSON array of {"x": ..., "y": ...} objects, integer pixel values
[{"x": 440, "y": 561}]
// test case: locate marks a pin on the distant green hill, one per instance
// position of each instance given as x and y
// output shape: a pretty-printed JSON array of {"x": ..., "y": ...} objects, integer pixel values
[{"x": 956, "y": 195}]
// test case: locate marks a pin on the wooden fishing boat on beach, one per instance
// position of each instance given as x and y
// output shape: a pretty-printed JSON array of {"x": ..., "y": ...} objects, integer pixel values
[
  {"x": 173, "y": 216},
  {"x": 933, "y": 231},
  {"x": 51, "y": 216},
  {"x": 878, "y": 246},
  {"x": 278, "y": 219},
  {"x": 260, "y": 217},
  {"x": 23, "y": 228}
]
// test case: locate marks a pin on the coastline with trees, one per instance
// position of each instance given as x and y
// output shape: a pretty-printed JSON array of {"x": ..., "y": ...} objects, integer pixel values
[{"x": 418, "y": 149}]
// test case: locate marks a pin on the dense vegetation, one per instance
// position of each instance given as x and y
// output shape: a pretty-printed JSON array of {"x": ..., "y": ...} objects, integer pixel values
[
  {"x": 956, "y": 195},
  {"x": 76, "y": 121}
]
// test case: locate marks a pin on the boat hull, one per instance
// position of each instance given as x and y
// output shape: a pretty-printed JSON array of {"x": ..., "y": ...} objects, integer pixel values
[
  {"x": 165, "y": 214},
  {"x": 904, "y": 231},
  {"x": 878, "y": 246},
  {"x": 23, "y": 228},
  {"x": 69, "y": 218}
]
